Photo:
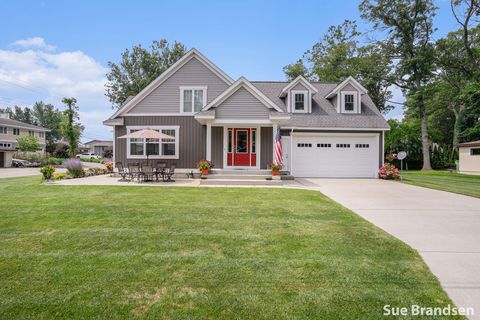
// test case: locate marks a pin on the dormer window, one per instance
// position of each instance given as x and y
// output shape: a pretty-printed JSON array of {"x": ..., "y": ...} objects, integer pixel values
[
  {"x": 349, "y": 102},
  {"x": 349, "y": 106},
  {"x": 299, "y": 101}
]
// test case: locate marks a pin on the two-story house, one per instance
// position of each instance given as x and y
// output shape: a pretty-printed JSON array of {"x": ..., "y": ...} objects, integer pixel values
[
  {"x": 327, "y": 129},
  {"x": 10, "y": 131}
]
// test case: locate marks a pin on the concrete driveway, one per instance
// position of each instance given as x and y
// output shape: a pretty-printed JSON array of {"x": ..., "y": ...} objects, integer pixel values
[
  {"x": 443, "y": 227},
  {"x": 23, "y": 172}
]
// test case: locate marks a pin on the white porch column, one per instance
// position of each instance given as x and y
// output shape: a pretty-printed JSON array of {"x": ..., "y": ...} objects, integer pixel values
[
  {"x": 275, "y": 128},
  {"x": 209, "y": 142}
]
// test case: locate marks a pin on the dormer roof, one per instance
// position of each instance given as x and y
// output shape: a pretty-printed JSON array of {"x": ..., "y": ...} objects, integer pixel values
[
  {"x": 349, "y": 80},
  {"x": 296, "y": 81},
  {"x": 242, "y": 82}
]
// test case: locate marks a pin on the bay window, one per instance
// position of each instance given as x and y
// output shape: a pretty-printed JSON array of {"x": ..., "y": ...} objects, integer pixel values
[{"x": 138, "y": 148}]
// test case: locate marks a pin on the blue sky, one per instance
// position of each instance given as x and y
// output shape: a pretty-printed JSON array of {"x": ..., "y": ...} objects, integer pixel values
[{"x": 51, "y": 49}]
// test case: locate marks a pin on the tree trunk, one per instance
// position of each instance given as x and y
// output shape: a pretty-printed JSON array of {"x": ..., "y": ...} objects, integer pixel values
[
  {"x": 425, "y": 144},
  {"x": 458, "y": 123}
]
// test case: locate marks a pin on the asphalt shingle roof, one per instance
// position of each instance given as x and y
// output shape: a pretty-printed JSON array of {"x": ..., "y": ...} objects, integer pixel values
[
  {"x": 324, "y": 113},
  {"x": 15, "y": 123}
]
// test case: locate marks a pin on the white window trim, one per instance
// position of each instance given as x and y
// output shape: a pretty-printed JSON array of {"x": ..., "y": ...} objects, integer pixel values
[
  {"x": 16, "y": 129},
  {"x": 183, "y": 88},
  {"x": 6, "y": 130},
  {"x": 144, "y": 156},
  {"x": 355, "y": 102},
  {"x": 307, "y": 102}
]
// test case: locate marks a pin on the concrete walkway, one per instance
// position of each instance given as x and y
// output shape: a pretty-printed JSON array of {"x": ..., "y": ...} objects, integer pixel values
[{"x": 443, "y": 227}]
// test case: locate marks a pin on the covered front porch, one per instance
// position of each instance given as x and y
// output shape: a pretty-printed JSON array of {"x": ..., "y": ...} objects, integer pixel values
[{"x": 240, "y": 146}]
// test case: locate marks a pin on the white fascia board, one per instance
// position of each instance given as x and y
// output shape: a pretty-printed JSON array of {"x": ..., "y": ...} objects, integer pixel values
[
  {"x": 242, "y": 82},
  {"x": 113, "y": 122},
  {"x": 298, "y": 79},
  {"x": 336, "y": 129},
  {"x": 167, "y": 74},
  {"x": 350, "y": 80}
]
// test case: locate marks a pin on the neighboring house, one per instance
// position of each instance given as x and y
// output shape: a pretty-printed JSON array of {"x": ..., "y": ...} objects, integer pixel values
[
  {"x": 10, "y": 131},
  {"x": 469, "y": 157},
  {"x": 327, "y": 129},
  {"x": 98, "y": 147}
]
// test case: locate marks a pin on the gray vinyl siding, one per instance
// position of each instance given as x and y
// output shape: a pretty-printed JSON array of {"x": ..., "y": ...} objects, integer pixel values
[
  {"x": 242, "y": 105},
  {"x": 217, "y": 147},
  {"x": 192, "y": 147},
  {"x": 299, "y": 86},
  {"x": 266, "y": 147},
  {"x": 348, "y": 87},
  {"x": 166, "y": 98}
]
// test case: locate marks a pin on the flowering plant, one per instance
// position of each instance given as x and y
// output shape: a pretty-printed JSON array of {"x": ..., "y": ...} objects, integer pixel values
[
  {"x": 274, "y": 166},
  {"x": 204, "y": 165},
  {"x": 74, "y": 167},
  {"x": 388, "y": 172},
  {"x": 109, "y": 166}
]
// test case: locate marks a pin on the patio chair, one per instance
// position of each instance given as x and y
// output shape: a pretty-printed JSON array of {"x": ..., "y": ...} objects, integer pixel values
[
  {"x": 134, "y": 171},
  {"x": 147, "y": 172},
  {"x": 159, "y": 169},
  {"x": 122, "y": 171},
  {"x": 168, "y": 174}
]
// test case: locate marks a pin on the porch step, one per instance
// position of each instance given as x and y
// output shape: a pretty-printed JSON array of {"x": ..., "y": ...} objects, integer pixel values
[
  {"x": 225, "y": 176},
  {"x": 241, "y": 172},
  {"x": 240, "y": 182}
]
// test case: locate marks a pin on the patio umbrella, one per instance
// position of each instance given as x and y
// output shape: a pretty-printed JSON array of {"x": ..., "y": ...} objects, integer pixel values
[{"x": 146, "y": 134}]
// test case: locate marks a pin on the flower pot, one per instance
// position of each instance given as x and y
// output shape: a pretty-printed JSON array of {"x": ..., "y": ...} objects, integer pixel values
[
  {"x": 204, "y": 172},
  {"x": 275, "y": 172}
]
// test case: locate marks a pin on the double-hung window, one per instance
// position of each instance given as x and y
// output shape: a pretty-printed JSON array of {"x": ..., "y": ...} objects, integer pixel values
[
  {"x": 139, "y": 148},
  {"x": 3, "y": 130},
  {"x": 192, "y": 99},
  {"x": 299, "y": 101},
  {"x": 16, "y": 131},
  {"x": 349, "y": 102}
]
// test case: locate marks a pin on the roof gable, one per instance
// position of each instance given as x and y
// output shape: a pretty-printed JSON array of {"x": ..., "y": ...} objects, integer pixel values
[
  {"x": 193, "y": 53},
  {"x": 295, "y": 82},
  {"x": 349, "y": 80},
  {"x": 243, "y": 83}
]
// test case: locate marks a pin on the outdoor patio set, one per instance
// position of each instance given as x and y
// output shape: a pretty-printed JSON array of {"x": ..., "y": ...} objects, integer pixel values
[{"x": 145, "y": 172}]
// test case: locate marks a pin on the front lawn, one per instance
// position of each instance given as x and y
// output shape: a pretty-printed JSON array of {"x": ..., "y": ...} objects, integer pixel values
[
  {"x": 197, "y": 253},
  {"x": 465, "y": 184}
]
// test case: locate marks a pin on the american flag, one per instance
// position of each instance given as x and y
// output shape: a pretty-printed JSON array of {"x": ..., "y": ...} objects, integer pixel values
[{"x": 278, "y": 148}]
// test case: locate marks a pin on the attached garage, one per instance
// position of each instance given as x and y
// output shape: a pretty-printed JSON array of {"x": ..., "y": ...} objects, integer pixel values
[{"x": 335, "y": 155}]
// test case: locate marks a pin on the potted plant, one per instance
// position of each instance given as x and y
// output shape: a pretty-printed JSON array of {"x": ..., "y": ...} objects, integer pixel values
[
  {"x": 275, "y": 169},
  {"x": 47, "y": 172},
  {"x": 204, "y": 166}
]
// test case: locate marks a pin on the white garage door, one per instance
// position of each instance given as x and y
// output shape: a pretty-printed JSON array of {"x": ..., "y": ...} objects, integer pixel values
[{"x": 335, "y": 155}]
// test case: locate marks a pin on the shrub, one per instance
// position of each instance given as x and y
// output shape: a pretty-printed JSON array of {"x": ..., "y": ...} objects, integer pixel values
[
  {"x": 388, "y": 172},
  {"x": 108, "y": 153},
  {"x": 91, "y": 160},
  {"x": 54, "y": 161},
  {"x": 47, "y": 172},
  {"x": 61, "y": 150},
  {"x": 74, "y": 167},
  {"x": 109, "y": 166}
]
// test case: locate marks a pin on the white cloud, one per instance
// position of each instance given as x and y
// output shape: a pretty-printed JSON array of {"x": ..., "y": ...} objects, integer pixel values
[
  {"x": 31, "y": 75},
  {"x": 35, "y": 42}
]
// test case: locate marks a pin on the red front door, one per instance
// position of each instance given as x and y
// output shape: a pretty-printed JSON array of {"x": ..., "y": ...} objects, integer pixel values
[{"x": 241, "y": 147}]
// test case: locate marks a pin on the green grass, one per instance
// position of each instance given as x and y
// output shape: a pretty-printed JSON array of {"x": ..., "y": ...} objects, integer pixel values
[
  {"x": 465, "y": 184},
  {"x": 197, "y": 253}
]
